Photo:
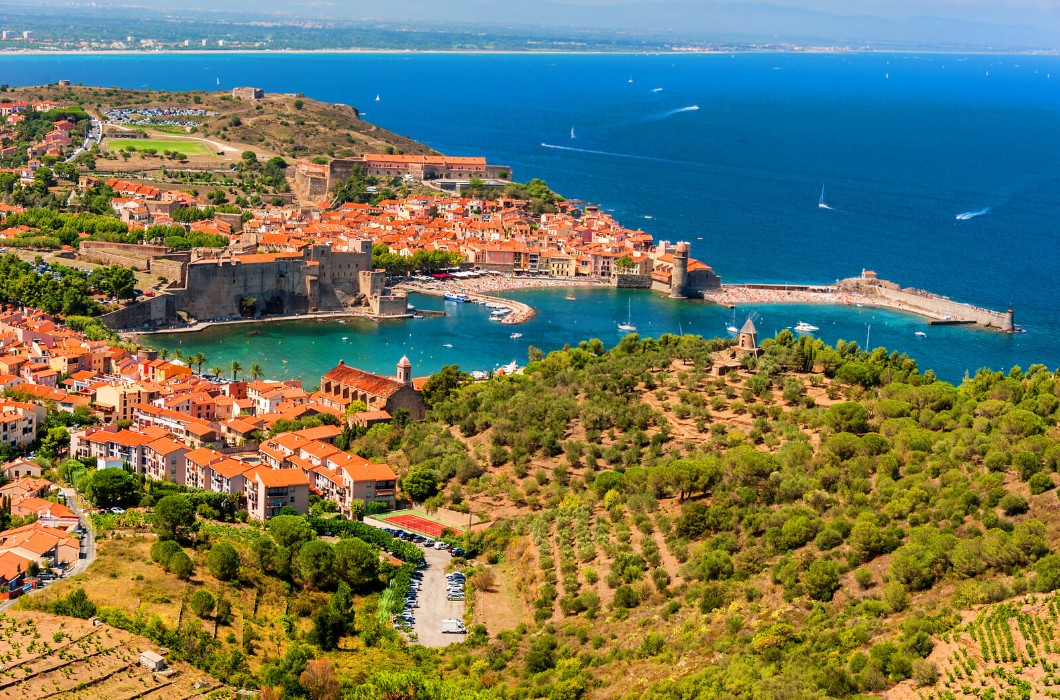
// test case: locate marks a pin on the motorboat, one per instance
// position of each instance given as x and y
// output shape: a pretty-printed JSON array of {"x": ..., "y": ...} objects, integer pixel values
[
  {"x": 803, "y": 327},
  {"x": 457, "y": 296},
  {"x": 516, "y": 336},
  {"x": 628, "y": 326}
]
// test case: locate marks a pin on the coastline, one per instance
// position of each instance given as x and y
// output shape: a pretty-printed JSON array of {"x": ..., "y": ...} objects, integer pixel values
[
  {"x": 203, "y": 325},
  {"x": 532, "y": 52}
]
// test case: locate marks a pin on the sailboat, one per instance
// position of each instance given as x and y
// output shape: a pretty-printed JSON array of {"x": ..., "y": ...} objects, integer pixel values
[
  {"x": 733, "y": 330},
  {"x": 630, "y": 79},
  {"x": 820, "y": 202},
  {"x": 628, "y": 326},
  {"x": 377, "y": 98},
  {"x": 572, "y": 132}
]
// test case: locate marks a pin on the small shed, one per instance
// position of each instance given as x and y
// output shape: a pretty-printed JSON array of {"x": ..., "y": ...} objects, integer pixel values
[{"x": 152, "y": 660}]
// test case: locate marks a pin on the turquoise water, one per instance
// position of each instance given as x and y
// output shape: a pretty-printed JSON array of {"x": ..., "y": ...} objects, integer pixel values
[
  {"x": 902, "y": 143},
  {"x": 311, "y": 348}
]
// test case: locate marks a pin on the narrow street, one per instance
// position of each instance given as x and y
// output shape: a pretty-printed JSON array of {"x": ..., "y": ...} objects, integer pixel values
[{"x": 88, "y": 546}]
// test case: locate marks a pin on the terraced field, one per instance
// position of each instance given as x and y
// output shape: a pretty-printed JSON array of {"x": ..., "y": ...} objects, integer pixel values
[{"x": 46, "y": 656}]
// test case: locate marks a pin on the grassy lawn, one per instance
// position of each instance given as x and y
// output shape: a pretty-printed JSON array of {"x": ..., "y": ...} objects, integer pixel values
[{"x": 187, "y": 147}]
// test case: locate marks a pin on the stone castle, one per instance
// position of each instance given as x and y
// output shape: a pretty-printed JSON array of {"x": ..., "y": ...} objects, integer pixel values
[{"x": 204, "y": 286}]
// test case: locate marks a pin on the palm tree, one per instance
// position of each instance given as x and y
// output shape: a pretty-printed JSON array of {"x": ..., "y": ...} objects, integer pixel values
[
  {"x": 178, "y": 354},
  {"x": 236, "y": 368},
  {"x": 255, "y": 371},
  {"x": 164, "y": 353},
  {"x": 198, "y": 359},
  {"x": 217, "y": 370}
]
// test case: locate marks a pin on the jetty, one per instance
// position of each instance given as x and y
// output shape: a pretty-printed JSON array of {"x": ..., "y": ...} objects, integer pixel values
[
  {"x": 867, "y": 290},
  {"x": 520, "y": 312}
]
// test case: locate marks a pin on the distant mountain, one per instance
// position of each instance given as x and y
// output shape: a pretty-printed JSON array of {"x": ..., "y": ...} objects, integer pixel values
[{"x": 994, "y": 25}]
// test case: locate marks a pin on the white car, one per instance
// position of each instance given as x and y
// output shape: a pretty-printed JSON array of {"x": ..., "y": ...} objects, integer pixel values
[{"x": 439, "y": 545}]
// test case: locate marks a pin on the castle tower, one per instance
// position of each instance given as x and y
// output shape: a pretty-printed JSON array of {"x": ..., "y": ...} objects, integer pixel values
[
  {"x": 404, "y": 371},
  {"x": 679, "y": 275},
  {"x": 1009, "y": 324}
]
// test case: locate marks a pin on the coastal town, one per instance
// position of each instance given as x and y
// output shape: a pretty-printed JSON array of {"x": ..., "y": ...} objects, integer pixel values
[{"x": 177, "y": 524}]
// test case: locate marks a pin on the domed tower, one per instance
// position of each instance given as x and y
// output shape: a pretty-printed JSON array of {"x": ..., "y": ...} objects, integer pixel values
[
  {"x": 404, "y": 371},
  {"x": 679, "y": 275}
]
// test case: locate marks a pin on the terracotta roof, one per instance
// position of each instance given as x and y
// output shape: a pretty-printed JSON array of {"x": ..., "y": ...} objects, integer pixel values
[
  {"x": 11, "y": 565},
  {"x": 271, "y": 478},
  {"x": 364, "y": 381}
]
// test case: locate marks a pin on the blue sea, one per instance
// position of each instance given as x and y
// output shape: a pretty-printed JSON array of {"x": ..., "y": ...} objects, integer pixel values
[{"x": 729, "y": 152}]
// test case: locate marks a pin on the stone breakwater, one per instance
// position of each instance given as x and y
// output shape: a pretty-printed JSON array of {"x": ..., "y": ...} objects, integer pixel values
[
  {"x": 520, "y": 312},
  {"x": 866, "y": 290}
]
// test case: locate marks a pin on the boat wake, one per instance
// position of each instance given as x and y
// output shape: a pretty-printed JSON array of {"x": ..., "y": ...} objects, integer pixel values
[
  {"x": 964, "y": 216},
  {"x": 602, "y": 153},
  {"x": 672, "y": 112}
]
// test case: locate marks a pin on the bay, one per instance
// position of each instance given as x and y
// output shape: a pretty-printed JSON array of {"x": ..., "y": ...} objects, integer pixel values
[{"x": 728, "y": 152}]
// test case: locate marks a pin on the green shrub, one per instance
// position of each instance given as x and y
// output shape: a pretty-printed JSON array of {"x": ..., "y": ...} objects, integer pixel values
[{"x": 1040, "y": 483}]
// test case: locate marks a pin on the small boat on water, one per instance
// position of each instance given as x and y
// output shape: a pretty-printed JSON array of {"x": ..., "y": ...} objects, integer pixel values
[
  {"x": 920, "y": 334},
  {"x": 516, "y": 336},
  {"x": 377, "y": 98},
  {"x": 731, "y": 328},
  {"x": 803, "y": 327},
  {"x": 628, "y": 326},
  {"x": 447, "y": 345},
  {"x": 570, "y": 297},
  {"x": 345, "y": 338},
  {"x": 457, "y": 296}
]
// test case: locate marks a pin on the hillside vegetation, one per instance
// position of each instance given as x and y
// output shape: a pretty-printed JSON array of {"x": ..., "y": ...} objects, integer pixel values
[
  {"x": 812, "y": 525},
  {"x": 822, "y": 522}
]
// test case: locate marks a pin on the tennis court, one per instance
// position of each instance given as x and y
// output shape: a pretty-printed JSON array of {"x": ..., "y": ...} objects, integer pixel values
[{"x": 414, "y": 523}]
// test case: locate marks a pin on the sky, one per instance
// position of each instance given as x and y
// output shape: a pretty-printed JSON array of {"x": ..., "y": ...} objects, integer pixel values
[{"x": 1005, "y": 22}]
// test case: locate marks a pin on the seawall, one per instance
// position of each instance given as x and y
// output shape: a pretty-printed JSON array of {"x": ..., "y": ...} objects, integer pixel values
[
  {"x": 939, "y": 308},
  {"x": 866, "y": 290}
]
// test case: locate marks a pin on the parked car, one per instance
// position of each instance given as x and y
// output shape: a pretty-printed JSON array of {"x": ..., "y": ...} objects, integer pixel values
[
  {"x": 117, "y": 511},
  {"x": 441, "y": 545},
  {"x": 457, "y": 551}
]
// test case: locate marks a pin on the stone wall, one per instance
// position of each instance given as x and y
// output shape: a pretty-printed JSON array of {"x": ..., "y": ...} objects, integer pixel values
[
  {"x": 389, "y": 305},
  {"x": 156, "y": 312},
  {"x": 216, "y": 290},
  {"x": 625, "y": 280},
  {"x": 158, "y": 260},
  {"x": 700, "y": 280},
  {"x": 917, "y": 300}
]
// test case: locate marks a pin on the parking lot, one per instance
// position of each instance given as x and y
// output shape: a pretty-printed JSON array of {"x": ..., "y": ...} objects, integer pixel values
[{"x": 434, "y": 605}]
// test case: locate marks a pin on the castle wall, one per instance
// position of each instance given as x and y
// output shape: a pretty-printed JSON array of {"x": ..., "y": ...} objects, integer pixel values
[
  {"x": 155, "y": 259},
  {"x": 216, "y": 290},
  {"x": 155, "y": 312},
  {"x": 699, "y": 281},
  {"x": 389, "y": 305}
]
